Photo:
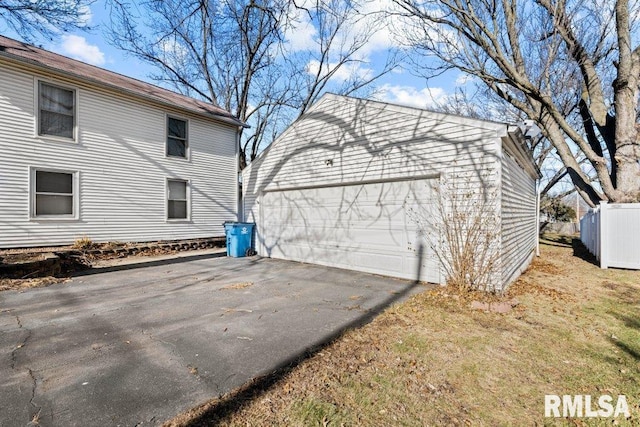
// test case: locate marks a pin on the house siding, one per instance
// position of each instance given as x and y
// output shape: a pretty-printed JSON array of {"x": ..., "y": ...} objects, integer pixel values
[
  {"x": 122, "y": 168},
  {"x": 519, "y": 224}
]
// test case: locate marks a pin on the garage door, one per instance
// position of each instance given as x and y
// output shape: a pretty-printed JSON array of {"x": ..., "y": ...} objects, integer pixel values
[{"x": 367, "y": 227}]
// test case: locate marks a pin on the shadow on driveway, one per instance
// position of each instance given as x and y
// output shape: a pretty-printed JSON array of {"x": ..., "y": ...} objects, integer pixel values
[
  {"x": 144, "y": 264},
  {"x": 251, "y": 391},
  {"x": 143, "y": 344}
]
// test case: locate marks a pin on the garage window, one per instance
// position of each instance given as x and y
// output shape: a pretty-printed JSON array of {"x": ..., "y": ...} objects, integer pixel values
[
  {"x": 54, "y": 194},
  {"x": 177, "y": 199}
]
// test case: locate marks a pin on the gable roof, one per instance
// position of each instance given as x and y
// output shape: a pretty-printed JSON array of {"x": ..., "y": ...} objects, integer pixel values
[{"x": 45, "y": 60}]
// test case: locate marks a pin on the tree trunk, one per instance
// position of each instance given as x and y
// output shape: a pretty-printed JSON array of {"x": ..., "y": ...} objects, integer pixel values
[{"x": 627, "y": 157}]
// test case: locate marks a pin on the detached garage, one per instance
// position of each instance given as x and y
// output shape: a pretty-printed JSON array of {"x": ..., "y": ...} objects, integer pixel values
[{"x": 356, "y": 184}]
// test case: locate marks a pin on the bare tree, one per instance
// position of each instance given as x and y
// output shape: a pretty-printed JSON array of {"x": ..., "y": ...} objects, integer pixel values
[
  {"x": 32, "y": 18},
  {"x": 343, "y": 33},
  {"x": 238, "y": 54},
  {"x": 222, "y": 52},
  {"x": 478, "y": 101},
  {"x": 569, "y": 66}
]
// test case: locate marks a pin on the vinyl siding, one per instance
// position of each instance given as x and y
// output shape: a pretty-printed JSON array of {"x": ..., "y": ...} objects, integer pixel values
[
  {"x": 367, "y": 140},
  {"x": 343, "y": 140},
  {"x": 120, "y": 159},
  {"x": 519, "y": 225}
]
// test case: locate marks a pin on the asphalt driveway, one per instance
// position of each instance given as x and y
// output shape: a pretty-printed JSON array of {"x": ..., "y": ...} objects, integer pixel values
[{"x": 137, "y": 346}]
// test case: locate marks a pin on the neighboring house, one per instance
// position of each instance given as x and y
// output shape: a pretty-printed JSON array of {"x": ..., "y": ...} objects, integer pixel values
[
  {"x": 342, "y": 187},
  {"x": 85, "y": 152}
]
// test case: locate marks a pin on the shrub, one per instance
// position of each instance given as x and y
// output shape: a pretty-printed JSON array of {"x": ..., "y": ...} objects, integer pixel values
[
  {"x": 462, "y": 229},
  {"x": 83, "y": 243}
]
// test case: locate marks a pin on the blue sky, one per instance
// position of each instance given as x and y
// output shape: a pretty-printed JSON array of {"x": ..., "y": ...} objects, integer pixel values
[{"x": 398, "y": 87}]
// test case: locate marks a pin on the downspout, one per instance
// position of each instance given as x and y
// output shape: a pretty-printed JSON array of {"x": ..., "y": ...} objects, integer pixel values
[
  {"x": 239, "y": 198},
  {"x": 538, "y": 217}
]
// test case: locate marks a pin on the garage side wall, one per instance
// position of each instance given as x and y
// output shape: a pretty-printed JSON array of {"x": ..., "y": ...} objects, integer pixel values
[
  {"x": 519, "y": 225},
  {"x": 343, "y": 141}
]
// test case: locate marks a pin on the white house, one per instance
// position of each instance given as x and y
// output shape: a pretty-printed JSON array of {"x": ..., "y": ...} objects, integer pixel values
[
  {"x": 85, "y": 152},
  {"x": 354, "y": 183}
]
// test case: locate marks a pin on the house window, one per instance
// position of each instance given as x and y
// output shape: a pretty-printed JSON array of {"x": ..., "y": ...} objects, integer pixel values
[
  {"x": 177, "y": 199},
  {"x": 177, "y": 143},
  {"x": 57, "y": 111},
  {"x": 54, "y": 194}
]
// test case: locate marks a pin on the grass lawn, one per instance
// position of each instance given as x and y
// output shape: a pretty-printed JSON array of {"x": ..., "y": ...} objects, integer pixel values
[{"x": 435, "y": 361}]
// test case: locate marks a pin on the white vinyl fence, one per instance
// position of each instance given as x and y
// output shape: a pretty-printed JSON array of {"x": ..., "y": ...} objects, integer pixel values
[{"x": 612, "y": 233}]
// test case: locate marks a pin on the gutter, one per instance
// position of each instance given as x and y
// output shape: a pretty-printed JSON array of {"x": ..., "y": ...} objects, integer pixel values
[{"x": 514, "y": 139}]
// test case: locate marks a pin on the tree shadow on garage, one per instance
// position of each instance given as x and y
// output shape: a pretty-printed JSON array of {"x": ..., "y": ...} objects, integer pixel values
[{"x": 218, "y": 410}]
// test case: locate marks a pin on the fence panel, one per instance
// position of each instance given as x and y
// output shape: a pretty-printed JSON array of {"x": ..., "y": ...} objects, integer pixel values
[
  {"x": 612, "y": 233},
  {"x": 589, "y": 230}
]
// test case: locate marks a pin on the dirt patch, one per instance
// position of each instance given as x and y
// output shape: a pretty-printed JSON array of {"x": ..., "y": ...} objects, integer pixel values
[
  {"x": 21, "y": 258},
  {"x": 502, "y": 307},
  {"x": 546, "y": 267},
  {"x": 525, "y": 285},
  {"x": 38, "y": 267}
]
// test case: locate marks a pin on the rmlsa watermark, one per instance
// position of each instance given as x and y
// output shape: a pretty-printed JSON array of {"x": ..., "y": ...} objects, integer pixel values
[{"x": 584, "y": 405}]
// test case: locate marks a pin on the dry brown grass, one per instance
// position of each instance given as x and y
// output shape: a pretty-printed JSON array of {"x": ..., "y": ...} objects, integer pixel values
[
  {"x": 434, "y": 361},
  {"x": 21, "y": 284}
]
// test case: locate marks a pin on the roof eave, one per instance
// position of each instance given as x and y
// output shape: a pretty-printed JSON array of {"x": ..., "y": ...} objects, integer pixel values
[{"x": 514, "y": 139}]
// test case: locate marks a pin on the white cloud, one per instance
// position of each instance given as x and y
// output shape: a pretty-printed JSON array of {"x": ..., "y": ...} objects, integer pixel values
[
  {"x": 78, "y": 48},
  {"x": 463, "y": 79},
  {"x": 345, "y": 73},
  {"x": 382, "y": 14},
  {"x": 300, "y": 34},
  {"x": 381, "y": 34},
  {"x": 173, "y": 52},
  {"x": 85, "y": 14},
  {"x": 412, "y": 96}
]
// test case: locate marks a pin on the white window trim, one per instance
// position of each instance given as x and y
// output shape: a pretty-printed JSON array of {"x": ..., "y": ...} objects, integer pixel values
[
  {"x": 36, "y": 109},
  {"x": 187, "y": 153},
  {"x": 32, "y": 195},
  {"x": 166, "y": 201}
]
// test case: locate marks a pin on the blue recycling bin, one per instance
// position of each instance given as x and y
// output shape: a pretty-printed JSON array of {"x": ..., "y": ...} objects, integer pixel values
[{"x": 239, "y": 238}]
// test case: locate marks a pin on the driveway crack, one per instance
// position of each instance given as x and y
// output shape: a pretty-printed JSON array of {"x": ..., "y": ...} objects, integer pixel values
[
  {"x": 14, "y": 361},
  {"x": 158, "y": 340},
  {"x": 33, "y": 389},
  {"x": 20, "y": 345}
]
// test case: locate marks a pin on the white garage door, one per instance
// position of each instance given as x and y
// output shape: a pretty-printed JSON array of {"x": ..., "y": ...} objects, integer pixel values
[{"x": 367, "y": 227}]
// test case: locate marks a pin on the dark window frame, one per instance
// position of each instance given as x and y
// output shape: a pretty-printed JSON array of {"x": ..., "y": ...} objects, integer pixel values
[
  {"x": 173, "y": 138},
  {"x": 42, "y": 111}
]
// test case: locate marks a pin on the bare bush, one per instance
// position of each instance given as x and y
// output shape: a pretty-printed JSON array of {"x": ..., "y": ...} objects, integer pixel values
[{"x": 461, "y": 227}]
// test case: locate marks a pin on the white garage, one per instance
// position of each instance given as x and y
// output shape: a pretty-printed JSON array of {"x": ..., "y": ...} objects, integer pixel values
[{"x": 342, "y": 185}]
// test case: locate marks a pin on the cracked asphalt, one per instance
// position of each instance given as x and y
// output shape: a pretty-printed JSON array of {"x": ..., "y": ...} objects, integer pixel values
[{"x": 136, "y": 345}]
